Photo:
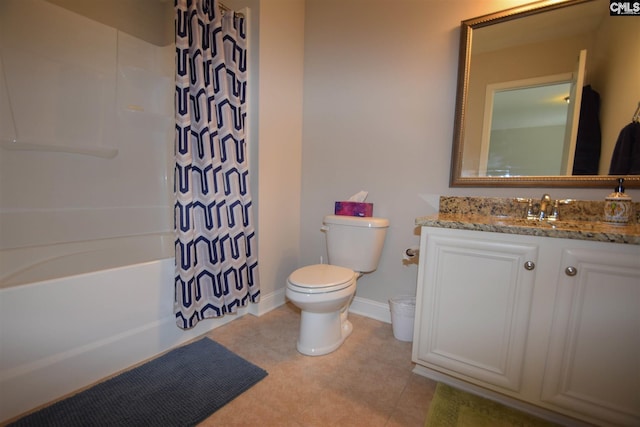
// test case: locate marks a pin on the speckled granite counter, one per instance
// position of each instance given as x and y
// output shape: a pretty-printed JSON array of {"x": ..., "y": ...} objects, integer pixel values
[{"x": 580, "y": 220}]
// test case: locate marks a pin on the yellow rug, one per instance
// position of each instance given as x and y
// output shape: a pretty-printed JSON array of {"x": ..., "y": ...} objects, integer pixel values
[{"x": 454, "y": 408}]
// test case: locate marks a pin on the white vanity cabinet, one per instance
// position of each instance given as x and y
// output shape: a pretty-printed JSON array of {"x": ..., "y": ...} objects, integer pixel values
[{"x": 548, "y": 321}]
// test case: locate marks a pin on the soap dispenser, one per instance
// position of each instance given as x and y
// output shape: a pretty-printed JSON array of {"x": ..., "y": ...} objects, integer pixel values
[{"x": 617, "y": 206}]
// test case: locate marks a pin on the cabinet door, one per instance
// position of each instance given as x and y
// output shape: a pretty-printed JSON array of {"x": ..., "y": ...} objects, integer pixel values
[
  {"x": 593, "y": 364},
  {"x": 474, "y": 302}
]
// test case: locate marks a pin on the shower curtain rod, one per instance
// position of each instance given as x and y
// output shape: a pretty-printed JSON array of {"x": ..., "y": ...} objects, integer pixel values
[{"x": 225, "y": 9}]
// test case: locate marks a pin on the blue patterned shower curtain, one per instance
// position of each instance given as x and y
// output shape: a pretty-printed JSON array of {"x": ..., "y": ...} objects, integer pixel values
[{"x": 216, "y": 262}]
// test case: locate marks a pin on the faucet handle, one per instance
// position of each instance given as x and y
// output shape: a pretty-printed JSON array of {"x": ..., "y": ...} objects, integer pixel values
[
  {"x": 555, "y": 214},
  {"x": 530, "y": 214}
]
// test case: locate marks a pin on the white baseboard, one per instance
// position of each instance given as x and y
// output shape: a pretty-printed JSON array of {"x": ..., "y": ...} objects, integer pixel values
[
  {"x": 362, "y": 306},
  {"x": 370, "y": 308},
  {"x": 268, "y": 302}
]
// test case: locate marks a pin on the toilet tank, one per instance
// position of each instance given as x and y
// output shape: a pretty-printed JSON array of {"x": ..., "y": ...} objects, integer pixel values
[{"x": 355, "y": 242}]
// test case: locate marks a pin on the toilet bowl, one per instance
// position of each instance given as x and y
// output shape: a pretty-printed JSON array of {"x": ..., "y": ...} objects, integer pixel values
[{"x": 323, "y": 293}]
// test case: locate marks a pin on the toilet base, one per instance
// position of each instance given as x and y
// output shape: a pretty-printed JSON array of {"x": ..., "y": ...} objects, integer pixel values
[{"x": 322, "y": 333}]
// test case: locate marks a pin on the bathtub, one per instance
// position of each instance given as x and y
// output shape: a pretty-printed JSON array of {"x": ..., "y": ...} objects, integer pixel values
[{"x": 72, "y": 314}]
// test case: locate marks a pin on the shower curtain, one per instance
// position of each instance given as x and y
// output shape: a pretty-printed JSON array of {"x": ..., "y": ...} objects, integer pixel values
[{"x": 216, "y": 263}]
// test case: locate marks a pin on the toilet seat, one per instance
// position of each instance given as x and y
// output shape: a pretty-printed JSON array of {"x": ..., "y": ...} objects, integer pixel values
[{"x": 320, "y": 278}]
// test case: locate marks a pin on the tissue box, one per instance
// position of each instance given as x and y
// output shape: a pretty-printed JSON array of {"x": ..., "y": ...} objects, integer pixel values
[{"x": 354, "y": 209}]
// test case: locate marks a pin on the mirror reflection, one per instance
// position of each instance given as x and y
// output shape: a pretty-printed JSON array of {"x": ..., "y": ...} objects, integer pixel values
[
  {"x": 524, "y": 129},
  {"x": 544, "y": 93}
]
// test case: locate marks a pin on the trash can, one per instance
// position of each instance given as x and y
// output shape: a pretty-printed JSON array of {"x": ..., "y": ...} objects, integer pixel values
[{"x": 403, "y": 310}]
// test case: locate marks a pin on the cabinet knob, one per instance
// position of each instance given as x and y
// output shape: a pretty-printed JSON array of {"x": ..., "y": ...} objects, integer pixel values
[
  {"x": 529, "y": 265},
  {"x": 570, "y": 271}
]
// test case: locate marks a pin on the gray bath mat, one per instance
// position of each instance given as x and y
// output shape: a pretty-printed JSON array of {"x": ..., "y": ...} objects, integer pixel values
[{"x": 180, "y": 388}]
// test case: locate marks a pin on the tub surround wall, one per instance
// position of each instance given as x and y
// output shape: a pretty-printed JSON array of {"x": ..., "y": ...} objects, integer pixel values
[{"x": 86, "y": 149}]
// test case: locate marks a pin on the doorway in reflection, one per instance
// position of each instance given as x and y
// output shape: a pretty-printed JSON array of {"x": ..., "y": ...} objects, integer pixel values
[{"x": 525, "y": 133}]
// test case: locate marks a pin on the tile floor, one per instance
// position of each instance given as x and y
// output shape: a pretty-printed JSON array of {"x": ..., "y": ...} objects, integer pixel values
[{"x": 368, "y": 381}]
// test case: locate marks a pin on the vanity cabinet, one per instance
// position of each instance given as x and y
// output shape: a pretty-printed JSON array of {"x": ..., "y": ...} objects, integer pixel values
[{"x": 551, "y": 322}]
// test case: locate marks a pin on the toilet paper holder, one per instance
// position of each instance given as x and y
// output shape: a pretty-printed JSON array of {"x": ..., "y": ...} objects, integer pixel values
[
  {"x": 411, "y": 255},
  {"x": 412, "y": 252}
]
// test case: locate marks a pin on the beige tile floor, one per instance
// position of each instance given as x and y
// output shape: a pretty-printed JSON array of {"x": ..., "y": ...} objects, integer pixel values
[{"x": 368, "y": 381}]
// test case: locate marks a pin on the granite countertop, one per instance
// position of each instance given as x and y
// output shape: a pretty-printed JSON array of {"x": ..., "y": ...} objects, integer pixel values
[{"x": 581, "y": 221}]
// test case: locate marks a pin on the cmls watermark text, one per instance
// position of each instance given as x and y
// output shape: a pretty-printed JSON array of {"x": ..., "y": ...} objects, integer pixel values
[{"x": 624, "y": 8}]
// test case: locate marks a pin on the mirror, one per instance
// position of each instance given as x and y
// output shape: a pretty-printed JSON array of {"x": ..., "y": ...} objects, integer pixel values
[{"x": 524, "y": 74}]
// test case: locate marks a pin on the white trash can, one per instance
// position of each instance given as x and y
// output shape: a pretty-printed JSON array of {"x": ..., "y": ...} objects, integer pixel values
[{"x": 403, "y": 311}]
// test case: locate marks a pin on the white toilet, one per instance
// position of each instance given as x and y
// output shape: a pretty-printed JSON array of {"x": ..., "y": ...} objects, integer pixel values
[{"x": 323, "y": 292}]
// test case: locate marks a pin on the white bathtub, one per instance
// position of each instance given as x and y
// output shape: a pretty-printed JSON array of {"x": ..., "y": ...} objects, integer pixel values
[{"x": 75, "y": 313}]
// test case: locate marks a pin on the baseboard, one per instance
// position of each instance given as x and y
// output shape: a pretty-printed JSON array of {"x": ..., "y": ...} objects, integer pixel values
[
  {"x": 362, "y": 306},
  {"x": 268, "y": 302},
  {"x": 370, "y": 308}
]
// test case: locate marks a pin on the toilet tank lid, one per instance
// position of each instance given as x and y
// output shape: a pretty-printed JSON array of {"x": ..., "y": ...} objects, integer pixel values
[{"x": 356, "y": 221}]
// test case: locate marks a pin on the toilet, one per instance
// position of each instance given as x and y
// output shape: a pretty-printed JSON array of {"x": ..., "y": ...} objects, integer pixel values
[{"x": 323, "y": 292}]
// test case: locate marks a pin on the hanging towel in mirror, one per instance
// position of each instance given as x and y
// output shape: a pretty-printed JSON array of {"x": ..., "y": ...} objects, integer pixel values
[
  {"x": 587, "y": 157},
  {"x": 626, "y": 154}
]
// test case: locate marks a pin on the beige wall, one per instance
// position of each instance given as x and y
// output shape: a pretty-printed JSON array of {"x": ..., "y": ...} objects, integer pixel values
[
  {"x": 94, "y": 91},
  {"x": 379, "y": 90},
  {"x": 279, "y": 139}
]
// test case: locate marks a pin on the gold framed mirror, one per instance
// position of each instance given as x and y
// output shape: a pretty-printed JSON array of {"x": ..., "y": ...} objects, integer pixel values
[{"x": 569, "y": 49}]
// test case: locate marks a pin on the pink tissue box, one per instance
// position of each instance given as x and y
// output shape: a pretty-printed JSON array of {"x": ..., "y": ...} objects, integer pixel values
[{"x": 354, "y": 209}]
